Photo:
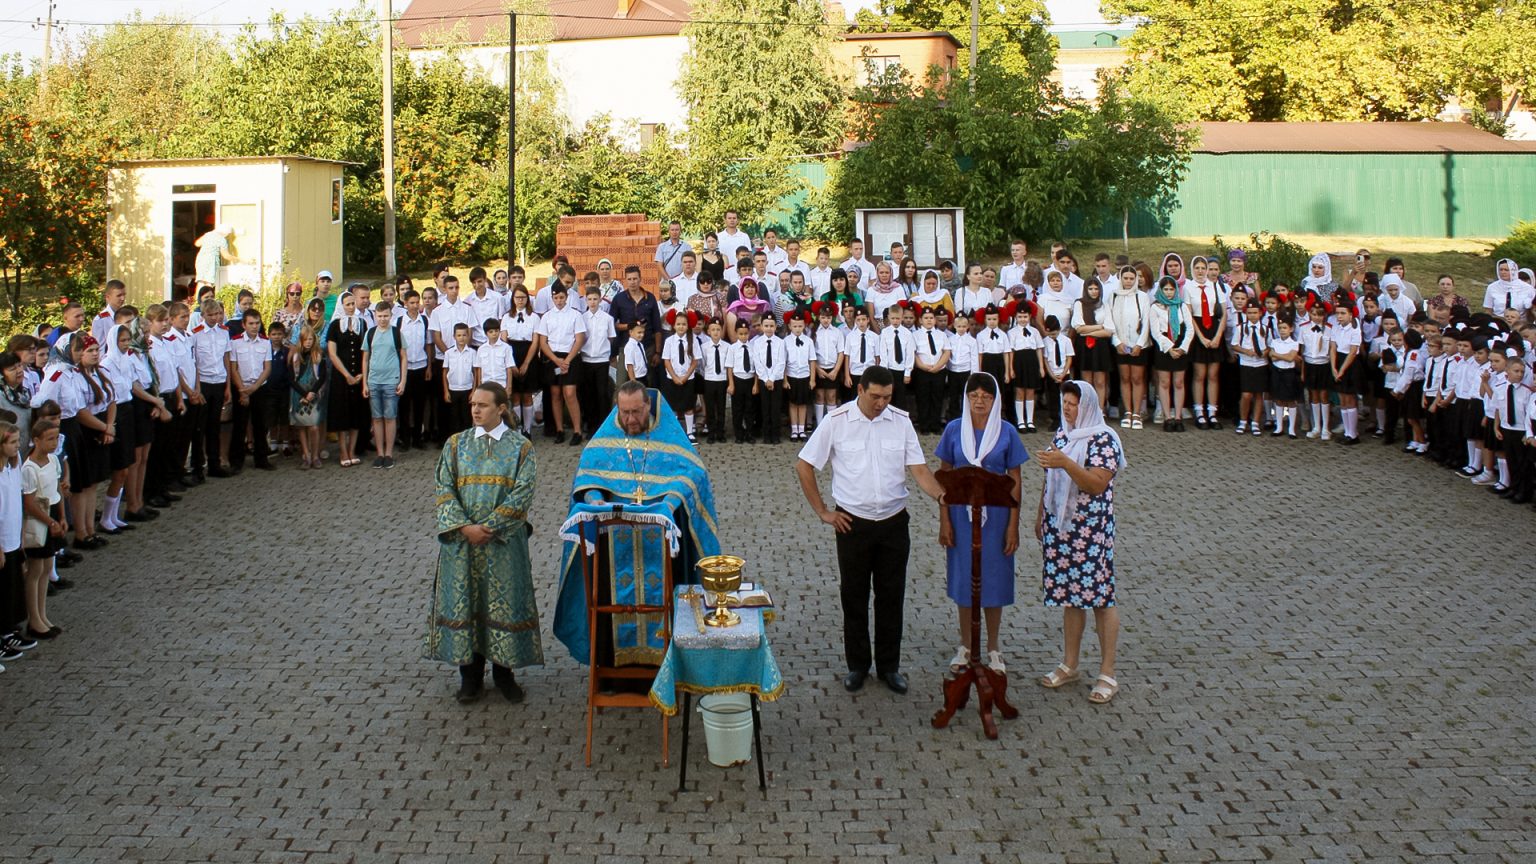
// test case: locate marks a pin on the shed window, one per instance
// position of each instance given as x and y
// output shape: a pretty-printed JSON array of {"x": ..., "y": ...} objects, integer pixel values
[
  {"x": 194, "y": 189},
  {"x": 335, "y": 200}
]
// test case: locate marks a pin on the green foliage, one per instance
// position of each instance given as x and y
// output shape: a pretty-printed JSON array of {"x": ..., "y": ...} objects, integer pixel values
[
  {"x": 1301, "y": 60},
  {"x": 773, "y": 83},
  {"x": 53, "y": 201},
  {"x": 1519, "y": 245},
  {"x": 1012, "y": 153},
  {"x": 1271, "y": 256},
  {"x": 1012, "y": 30}
]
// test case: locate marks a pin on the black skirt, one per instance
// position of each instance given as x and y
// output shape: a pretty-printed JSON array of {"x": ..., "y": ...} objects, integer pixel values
[
  {"x": 1413, "y": 405},
  {"x": 1285, "y": 384},
  {"x": 143, "y": 416},
  {"x": 1143, "y": 359},
  {"x": 89, "y": 461},
  {"x": 1099, "y": 357},
  {"x": 680, "y": 397},
  {"x": 995, "y": 365},
  {"x": 1350, "y": 379},
  {"x": 799, "y": 390},
  {"x": 1253, "y": 379},
  {"x": 1198, "y": 353},
  {"x": 120, "y": 452},
  {"x": 533, "y": 382},
  {"x": 1317, "y": 377},
  {"x": 1166, "y": 362}
]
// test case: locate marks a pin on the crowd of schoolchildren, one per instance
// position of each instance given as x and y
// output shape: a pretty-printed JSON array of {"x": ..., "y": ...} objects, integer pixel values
[{"x": 133, "y": 408}]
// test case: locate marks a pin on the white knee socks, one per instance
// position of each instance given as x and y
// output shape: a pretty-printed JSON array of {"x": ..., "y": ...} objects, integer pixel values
[
  {"x": 1018, "y": 410},
  {"x": 1350, "y": 416},
  {"x": 1029, "y": 411}
]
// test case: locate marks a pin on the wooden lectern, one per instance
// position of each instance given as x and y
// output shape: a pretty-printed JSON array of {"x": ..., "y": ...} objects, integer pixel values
[{"x": 976, "y": 488}]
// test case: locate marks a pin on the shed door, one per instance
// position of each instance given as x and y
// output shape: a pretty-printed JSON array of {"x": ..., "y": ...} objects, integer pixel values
[{"x": 245, "y": 250}]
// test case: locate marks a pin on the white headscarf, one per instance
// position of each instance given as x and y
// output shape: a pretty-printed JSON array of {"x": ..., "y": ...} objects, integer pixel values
[
  {"x": 1509, "y": 284},
  {"x": 1060, "y": 490},
  {"x": 1316, "y": 283},
  {"x": 974, "y": 452}
]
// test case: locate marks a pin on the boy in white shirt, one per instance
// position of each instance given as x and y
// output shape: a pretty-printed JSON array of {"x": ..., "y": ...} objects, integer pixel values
[
  {"x": 741, "y": 384},
  {"x": 929, "y": 370},
  {"x": 1056, "y": 351},
  {"x": 829, "y": 357},
  {"x": 458, "y": 378},
  {"x": 493, "y": 360},
  {"x": 595, "y": 383},
  {"x": 769, "y": 361},
  {"x": 897, "y": 354},
  {"x": 962, "y": 362},
  {"x": 861, "y": 348},
  {"x": 1252, "y": 349},
  {"x": 800, "y": 356},
  {"x": 635, "y": 367},
  {"x": 1284, "y": 377}
]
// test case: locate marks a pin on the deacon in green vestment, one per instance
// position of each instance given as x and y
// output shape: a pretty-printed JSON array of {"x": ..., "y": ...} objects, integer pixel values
[{"x": 483, "y": 604}]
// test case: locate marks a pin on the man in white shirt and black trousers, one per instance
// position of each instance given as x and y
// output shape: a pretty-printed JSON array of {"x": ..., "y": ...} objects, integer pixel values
[{"x": 872, "y": 446}]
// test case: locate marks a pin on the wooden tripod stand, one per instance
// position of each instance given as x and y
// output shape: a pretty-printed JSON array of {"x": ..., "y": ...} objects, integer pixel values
[{"x": 976, "y": 488}]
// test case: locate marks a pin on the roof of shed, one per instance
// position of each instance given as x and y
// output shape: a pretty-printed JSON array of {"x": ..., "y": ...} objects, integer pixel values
[{"x": 1353, "y": 138}]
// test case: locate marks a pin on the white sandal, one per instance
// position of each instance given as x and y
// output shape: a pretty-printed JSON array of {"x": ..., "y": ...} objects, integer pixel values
[
  {"x": 1059, "y": 676},
  {"x": 1125, "y": 422},
  {"x": 995, "y": 662},
  {"x": 1135, "y": 421},
  {"x": 1104, "y": 690},
  {"x": 961, "y": 660}
]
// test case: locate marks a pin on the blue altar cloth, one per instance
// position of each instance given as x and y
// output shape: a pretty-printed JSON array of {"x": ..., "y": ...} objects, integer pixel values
[{"x": 716, "y": 659}]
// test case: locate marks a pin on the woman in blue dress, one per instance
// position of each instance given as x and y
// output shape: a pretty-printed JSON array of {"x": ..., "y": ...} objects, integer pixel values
[
  {"x": 1076, "y": 529},
  {"x": 979, "y": 439}
]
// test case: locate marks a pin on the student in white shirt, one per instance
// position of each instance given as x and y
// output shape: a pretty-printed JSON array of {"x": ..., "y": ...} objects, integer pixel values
[
  {"x": 250, "y": 362},
  {"x": 1173, "y": 333},
  {"x": 1318, "y": 376},
  {"x": 866, "y": 269},
  {"x": 1093, "y": 338},
  {"x": 1345, "y": 363},
  {"x": 931, "y": 359},
  {"x": 679, "y": 363},
  {"x": 820, "y": 276},
  {"x": 1205, "y": 300},
  {"x": 774, "y": 255},
  {"x": 416, "y": 331},
  {"x": 1130, "y": 316},
  {"x": 458, "y": 379},
  {"x": 799, "y": 357},
  {"x": 861, "y": 348},
  {"x": 519, "y": 329},
  {"x": 449, "y": 312},
  {"x": 962, "y": 362},
  {"x": 828, "y": 371},
  {"x": 994, "y": 345},
  {"x": 1013, "y": 272},
  {"x": 494, "y": 362},
  {"x": 1284, "y": 377},
  {"x": 769, "y": 361},
  {"x": 1058, "y": 357},
  {"x": 561, "y": 331},
  {"x": 1252, "y": 348},
  {"x": 1507, "y": 290},
  {"x": 596, "y": 379},
  {"x": 741, "y": 384},
  {"x": 897, "y": 354},
  {"x": 715, "y": 372},
  {"x": 1408, "y": 391},
  {"x": 732, "y": 239}
]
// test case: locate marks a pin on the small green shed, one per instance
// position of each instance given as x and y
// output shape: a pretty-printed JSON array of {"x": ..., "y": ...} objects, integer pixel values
[{"x": 1368, "y": 179}]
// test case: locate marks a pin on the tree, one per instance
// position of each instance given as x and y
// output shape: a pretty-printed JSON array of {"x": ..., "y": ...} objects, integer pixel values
[
  {"x": 1013, "y": 29},
  {"x": 1300, "y": 60},
  {"x": 1127, "y": 153},
  {"x": 53, "y": 202}
]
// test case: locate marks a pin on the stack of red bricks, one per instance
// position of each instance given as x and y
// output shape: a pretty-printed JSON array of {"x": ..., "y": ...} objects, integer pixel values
[{"x": 623, "y": 238}]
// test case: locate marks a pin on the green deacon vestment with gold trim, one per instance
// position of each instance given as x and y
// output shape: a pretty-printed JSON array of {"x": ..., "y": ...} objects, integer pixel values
[{"x": 483, "y": 601}]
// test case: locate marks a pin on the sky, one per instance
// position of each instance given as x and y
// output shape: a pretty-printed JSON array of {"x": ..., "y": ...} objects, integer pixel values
[{"x": 19, "y": 34}]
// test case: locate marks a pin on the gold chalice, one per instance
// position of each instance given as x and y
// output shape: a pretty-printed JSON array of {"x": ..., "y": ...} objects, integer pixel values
[{"x": 722, "y": 575}]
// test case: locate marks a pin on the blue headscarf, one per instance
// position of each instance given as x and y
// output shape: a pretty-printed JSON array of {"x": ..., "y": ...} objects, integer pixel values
[{"x": 1172, "y": 304}]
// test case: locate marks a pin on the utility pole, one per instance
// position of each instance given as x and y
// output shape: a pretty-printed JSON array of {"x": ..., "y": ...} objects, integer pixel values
[
  {"x": 42, "y": 83},
  {"x": 388, "y": 25},
  {"x": 511, "y": 138},
  {"x": 975, "y": 20}
]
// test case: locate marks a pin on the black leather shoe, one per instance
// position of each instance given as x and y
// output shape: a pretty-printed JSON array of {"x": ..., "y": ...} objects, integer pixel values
[
  {"x": 507, "y": 684},
  {"x": 896, "y": 681},
  {"x": 219, "y": 473},
  {"x": 470, "y": 691},
  {"x": 853, "y": 682},
  {"x": 196, "y": 478},
  {"x": 159, "y": 502},
  {"x": 265, "y": 466}
]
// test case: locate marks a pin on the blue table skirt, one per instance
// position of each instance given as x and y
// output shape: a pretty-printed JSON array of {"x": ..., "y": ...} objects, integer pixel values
[{"x": 719, "y": 660}]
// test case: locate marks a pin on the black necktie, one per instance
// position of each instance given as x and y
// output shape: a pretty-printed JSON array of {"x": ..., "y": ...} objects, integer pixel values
[
  {"x": 1057, "y": 343},
  {"x": 1255, "y": 334},
  {"x": 1509, "y": 299},
  {"x": 1509, "y": 409},
  {"x": 799, "y": 343},
  {"x": 896, "y": 337},
  {"x": 1317, "y": 328},
  {"x": 746, "y": 355},
  {"x": 680, "y": 360},
  {"x": 717, "y": 360},
  {"x": 769, "y": 345},
  {"x": 863, "y": 349},
  {"x": 932, "y": 348},
  {"x": 994, "y": 335}
]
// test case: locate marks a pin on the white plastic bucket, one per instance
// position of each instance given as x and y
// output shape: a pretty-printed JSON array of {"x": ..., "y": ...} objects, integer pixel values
[{"x": 727, "y": 728}]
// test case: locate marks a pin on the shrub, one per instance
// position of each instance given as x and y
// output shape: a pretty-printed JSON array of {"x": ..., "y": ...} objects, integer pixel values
[
  {"x": 1519, "y": 245},
  {"x": 1271, "y": 256}
]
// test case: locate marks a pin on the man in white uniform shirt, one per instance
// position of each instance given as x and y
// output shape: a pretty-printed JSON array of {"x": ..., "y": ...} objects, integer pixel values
[
  {"x": 776, "y": 254},
  {"x": 686, "y": 283},
  {"x": 871, "y": 446},
  {"x": 479, "y": 304},
  {"x": 732, "y": 239},
  {"x": 1013, "y": 272},
  {"x": 793, "y": 261},
  {"x": 820, "y": 276},
  {"x": 449, "y": 311},
  {"x": 857, "y": 259}
]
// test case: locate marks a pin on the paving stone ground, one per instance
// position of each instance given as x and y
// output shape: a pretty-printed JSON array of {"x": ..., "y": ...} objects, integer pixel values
[{"x": 1326, "y": 657}]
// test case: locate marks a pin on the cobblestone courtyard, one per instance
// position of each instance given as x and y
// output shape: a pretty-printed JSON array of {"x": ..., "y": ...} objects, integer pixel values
[{"x": 1326, "y": 656}]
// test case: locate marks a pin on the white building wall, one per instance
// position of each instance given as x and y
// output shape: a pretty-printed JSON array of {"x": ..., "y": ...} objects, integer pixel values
[{"x": 630, "y": 79}]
